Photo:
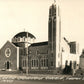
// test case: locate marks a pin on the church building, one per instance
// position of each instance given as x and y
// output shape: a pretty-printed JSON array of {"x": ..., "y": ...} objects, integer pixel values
[{"x": 51, "y": 57}]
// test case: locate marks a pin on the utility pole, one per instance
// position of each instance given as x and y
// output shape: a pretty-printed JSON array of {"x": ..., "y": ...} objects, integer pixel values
[
  {"x": 27, "y": 61},
  {"x": 27, "y": 56}
]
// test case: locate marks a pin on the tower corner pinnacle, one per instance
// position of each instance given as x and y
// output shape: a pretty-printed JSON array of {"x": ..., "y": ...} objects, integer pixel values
[{"x": 54, "y": 1}]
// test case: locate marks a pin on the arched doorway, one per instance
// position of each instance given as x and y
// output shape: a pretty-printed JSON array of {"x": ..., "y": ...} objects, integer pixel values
[{"x": 8, "y": 64}]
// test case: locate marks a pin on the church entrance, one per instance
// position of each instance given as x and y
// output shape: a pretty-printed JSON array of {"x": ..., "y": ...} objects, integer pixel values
[{"x": 8, "y": 64}]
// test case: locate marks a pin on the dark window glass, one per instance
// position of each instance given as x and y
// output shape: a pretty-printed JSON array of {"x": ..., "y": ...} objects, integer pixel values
[
  {"x": 42, "y": 62},
  {"x": 51, "y": 63},
  {"x": 32, "y": 63},
  {"x": 47, "y": 62}
]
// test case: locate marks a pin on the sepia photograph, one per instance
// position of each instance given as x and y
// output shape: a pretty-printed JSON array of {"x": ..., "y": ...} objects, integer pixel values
[{"x": 41, "y": 41}]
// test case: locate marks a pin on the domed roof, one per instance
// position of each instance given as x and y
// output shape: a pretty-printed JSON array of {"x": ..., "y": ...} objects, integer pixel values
[{"x": 24, "y": 34}]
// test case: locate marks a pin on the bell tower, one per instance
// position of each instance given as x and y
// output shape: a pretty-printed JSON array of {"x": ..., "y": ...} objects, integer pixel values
[{"x": 54, "y": 35}]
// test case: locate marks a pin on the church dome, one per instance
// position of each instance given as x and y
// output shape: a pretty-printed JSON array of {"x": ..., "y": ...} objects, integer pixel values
[
  {"x": 23, "y": 37},
  {"x": 24, "y": 34}
]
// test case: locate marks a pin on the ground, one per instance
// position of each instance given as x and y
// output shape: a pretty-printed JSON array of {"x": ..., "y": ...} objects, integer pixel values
[{"x": 39, "y": 79}]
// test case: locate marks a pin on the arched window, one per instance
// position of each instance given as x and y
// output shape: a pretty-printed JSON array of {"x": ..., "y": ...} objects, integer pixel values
[
  {"x": 42, "y": 62},
  {"x": 23, "y": 38},
  {"x": 47, "y": 62},
  {"x": 36, "y": 62},
  {"x": 32, "y": 63},
  {"x": 51, "y": 63},
  {"x": 25, "y": 62},
  {"x": 18, "y": 39},
  {"x": 15, "y": 39}
]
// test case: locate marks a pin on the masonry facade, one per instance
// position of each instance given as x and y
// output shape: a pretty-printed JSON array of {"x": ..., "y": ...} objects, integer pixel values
[{"x": 9, "y": 57}]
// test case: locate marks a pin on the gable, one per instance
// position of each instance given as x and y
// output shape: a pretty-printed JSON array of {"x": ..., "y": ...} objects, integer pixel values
[
  {"x": 8, "y": 45},
  {"x": 9, "y": 53}
]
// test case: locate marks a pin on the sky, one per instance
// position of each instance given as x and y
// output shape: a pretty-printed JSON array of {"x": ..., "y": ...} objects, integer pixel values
[{"x": 32, "y": 16}]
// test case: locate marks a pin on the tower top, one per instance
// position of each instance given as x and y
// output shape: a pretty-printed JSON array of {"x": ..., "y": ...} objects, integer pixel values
[{"x": 54, "y": 1}]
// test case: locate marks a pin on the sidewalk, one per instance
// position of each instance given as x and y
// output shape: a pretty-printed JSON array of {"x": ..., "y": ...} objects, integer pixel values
[{"x": 33, "y": 77}]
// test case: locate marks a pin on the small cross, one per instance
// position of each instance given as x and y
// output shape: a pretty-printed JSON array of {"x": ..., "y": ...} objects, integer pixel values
[{"x": 24, "y": 29}]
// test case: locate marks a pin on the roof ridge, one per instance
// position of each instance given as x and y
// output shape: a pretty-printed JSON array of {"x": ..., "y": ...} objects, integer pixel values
[{"x": 40, "y": 43}]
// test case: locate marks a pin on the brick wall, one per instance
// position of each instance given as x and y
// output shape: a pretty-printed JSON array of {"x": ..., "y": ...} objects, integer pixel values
[
  {"x": 38, "y": 53},
  {"x": 12, "y": 58}
]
